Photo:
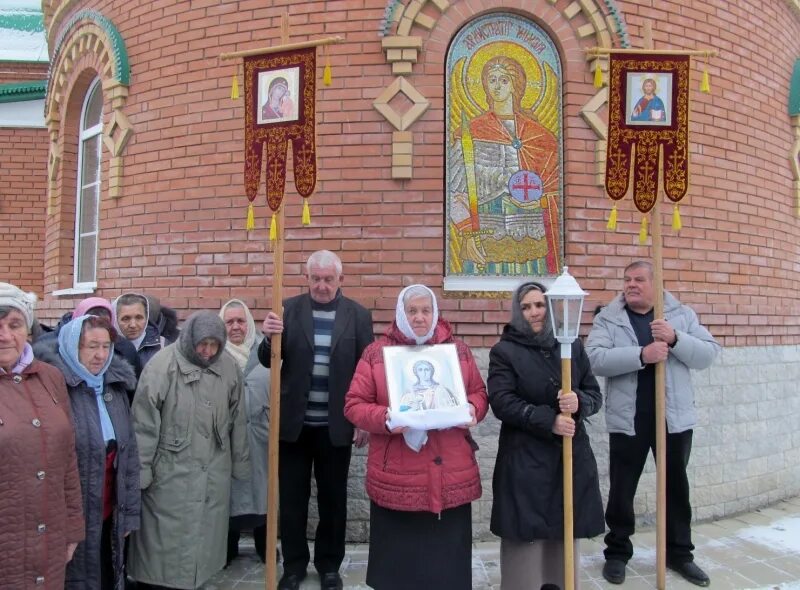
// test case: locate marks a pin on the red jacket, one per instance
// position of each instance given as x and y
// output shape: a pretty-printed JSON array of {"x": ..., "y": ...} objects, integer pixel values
[{"x": 444, "y": 474}]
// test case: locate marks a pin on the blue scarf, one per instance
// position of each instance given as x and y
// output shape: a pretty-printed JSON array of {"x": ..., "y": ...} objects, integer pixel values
[{"x": 68, "y": 342}]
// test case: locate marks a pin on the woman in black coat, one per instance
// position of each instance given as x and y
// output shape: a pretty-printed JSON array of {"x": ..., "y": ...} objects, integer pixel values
[
  {"x": 524, "y": 392},
  {"x": 108, "y": 458}
]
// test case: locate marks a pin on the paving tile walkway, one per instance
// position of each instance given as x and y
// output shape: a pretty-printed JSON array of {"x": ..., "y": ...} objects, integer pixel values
[{"x": 755, "y": 551}]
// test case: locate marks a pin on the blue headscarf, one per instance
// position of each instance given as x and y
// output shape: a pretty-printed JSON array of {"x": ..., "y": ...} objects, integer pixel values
[{"x": 69, "y": 338}]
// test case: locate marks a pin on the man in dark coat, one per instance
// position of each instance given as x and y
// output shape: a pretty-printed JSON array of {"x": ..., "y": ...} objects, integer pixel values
[{"x": 324, "y": 336}]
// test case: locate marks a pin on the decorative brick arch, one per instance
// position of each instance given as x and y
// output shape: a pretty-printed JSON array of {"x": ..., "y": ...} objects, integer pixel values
[
  {"x": 89, "y": 34},
  {"x": 586, "y": 20}
]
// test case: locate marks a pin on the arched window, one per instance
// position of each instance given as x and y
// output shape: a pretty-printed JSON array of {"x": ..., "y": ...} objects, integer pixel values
[
  {"x": 88, "y": 197},
  {"x": 504, "y": 170}
]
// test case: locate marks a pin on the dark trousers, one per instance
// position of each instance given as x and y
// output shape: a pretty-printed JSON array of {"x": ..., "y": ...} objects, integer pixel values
[
  {"x": 627, "y": 456},
  {"x": 331, "y": 464},
  {"x": 107, "y": 575},
  {"x": 259, "y": 538}
]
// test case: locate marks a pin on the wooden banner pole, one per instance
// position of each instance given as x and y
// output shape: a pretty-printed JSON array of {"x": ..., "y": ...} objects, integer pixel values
[
  {"x": 271, "y": 564},
  {"x": 651, "y": 51},
  {"x": 283, "y": 47},
  {"x": 661, "y": 424},
  {"x": 270, "y": 569}
]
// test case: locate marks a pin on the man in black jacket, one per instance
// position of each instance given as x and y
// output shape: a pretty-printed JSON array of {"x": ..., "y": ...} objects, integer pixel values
[{"x": 324, "y": 334}]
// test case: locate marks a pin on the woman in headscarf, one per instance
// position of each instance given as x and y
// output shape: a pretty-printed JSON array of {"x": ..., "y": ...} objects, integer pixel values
[
  {"x": 40, "y": 491},
  {"x": 97, "y": 306},
  {"x": 108, "y": 460},
  {"x": 192, "y": 436},
  {"x": 138, "y": 319},
  {"x": 420, "y": 515},
  {"x": 249, "y": 498},
  {"x": 524, "y": 391}
]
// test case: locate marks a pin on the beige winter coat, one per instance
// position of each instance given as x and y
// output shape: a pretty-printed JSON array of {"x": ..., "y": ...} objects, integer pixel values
[{"x": 191, "y": 430}]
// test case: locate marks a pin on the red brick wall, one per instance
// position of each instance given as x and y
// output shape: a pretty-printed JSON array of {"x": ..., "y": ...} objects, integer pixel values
[
  {"x": 21, "y": 71},
  {"x": 178, "y": 230},
  {"x": 23, "y": 190}
]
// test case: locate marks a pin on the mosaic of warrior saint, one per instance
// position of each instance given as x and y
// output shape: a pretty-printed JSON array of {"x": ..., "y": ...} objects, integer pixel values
[{"x": 501, "y": 231}]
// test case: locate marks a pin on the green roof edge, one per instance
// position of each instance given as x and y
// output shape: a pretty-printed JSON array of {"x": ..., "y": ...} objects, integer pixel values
[
  {"x": 22, "y": 91},
  {"x": 794, "y": 91},
  {"x": 119, "y": 53}
]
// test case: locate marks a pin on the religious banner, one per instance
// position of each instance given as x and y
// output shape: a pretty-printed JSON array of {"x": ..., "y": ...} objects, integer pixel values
[
  {"x": 504, "y": 188},
  {"x": 280, "y": 95},
  {"x": 648, "y": 114}
]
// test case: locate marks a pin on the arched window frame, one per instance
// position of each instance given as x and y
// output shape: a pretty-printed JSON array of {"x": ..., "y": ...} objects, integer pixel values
[{"x": 83, "y": 207}]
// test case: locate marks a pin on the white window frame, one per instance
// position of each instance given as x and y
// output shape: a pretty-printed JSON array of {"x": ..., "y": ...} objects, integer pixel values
[{"x": 83, "y": 137}]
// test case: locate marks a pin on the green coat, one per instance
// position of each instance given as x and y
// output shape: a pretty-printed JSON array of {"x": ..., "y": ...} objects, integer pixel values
[{"x": 191, "y": 430}]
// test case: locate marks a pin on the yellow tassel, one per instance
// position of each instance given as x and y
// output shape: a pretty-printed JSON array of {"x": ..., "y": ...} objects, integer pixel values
[
  {"x": 251, "y": 218},
  {"x": 643, "y": 231},
  {"x": 273, "y": 229},
  {"x": 705, "y": 85},
  {"x": 676, "y": 219},
  {"x": 235, "y": 87},
  {"x": 306, "y": 213},
  {"x": 598, "y": 75},
  {"x": 612, "y": 219},
  {"x": 327, "y": 77}
]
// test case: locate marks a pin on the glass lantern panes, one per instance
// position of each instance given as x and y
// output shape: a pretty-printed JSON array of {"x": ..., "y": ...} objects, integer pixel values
[{"x": 566, "y": 317}]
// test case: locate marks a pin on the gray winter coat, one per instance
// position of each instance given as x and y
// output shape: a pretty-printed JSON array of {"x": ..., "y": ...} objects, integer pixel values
[
  {"x": 250, "y": 497},
  {"x": 614, "y": 350},
  {"x": 192, "y": 435},
  {"x": 83, "y": 572}
]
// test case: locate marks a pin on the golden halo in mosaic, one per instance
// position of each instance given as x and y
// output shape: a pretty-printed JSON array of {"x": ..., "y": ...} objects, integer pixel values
[{"x": 533, "y": 72}]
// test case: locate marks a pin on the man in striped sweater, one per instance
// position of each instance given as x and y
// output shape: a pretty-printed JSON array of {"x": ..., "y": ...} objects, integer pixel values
[{"x": 323, "y": 336}]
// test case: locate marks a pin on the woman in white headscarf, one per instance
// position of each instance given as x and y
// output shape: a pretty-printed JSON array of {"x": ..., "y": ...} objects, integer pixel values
[
  {"x": 420, "y": 515},
  {"x": 249, "y": 498}
]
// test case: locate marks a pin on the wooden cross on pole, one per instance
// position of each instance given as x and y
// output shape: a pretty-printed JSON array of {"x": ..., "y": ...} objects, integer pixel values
[
  {"x": 270, "y": 569},
  {"x": 658, "y": 313}
]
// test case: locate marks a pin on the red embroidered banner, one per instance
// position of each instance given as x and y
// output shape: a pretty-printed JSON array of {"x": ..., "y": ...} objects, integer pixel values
[
  {"x": 648, "y": 108},
  {"x": 280, "y": 95}
]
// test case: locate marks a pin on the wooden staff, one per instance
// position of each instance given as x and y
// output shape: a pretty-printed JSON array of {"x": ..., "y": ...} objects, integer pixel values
[
  {"x": 271, "y": 569},
  {"x": 661, "y": 424},
  {"x": 569, "y": 545}
]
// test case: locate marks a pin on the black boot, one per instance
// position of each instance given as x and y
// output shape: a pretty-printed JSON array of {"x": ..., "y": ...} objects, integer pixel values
[
  {"x": 233, "y": 547},
  {"x": 260, "y": 539}
]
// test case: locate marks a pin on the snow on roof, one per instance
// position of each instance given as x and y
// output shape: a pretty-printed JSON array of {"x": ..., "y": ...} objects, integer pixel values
[{"x": 22, "y": 34}]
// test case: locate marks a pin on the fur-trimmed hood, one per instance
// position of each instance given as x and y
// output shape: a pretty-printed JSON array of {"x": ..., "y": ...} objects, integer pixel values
[
  {"x": 119, "y": 371},
  {"x": 164, "y": 318}
]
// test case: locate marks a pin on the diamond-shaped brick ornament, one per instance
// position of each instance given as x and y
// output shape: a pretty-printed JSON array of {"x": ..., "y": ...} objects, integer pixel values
[{"x": 403, "y": 121}]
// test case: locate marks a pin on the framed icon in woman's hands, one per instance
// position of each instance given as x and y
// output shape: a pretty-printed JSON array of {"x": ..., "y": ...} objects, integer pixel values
[{"x": 422, "y": 378}]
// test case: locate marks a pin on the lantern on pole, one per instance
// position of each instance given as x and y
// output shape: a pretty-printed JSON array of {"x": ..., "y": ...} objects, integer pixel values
[{"x": 565, "y": 305}]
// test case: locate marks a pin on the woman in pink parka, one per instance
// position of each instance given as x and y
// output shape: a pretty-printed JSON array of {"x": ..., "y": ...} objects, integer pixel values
[{"x": 420, "y": 510}]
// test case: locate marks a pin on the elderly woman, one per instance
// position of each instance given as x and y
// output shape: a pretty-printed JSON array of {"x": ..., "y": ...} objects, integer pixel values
[
  {"x": 420, "y": 516},
  {"x": 528, "y": 512},
  {"x": 192, "y": 436},
  {"x": 108, "y": 460},
  {"x": 97, "y": 306},
  {"x": 40, "y": 491},
  {"x": 249, "y": 498}
]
